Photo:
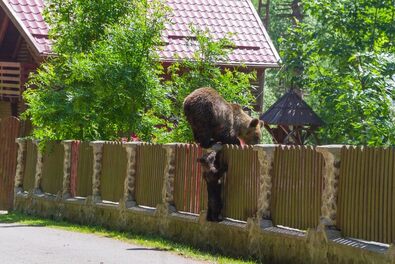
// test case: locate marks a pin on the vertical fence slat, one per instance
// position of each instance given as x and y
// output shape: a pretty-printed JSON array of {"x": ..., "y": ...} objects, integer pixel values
[
  {"x": 360, "y": 189},
  {"x": 392, "y": 193},
  {"x": 385, "y": 196},
  {"x": 376, "y": 222},
  {"x": 372, "y": 191}
]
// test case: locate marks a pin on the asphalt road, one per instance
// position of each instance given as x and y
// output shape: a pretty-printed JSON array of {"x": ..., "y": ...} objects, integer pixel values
[{"x": 21, "y": 244}]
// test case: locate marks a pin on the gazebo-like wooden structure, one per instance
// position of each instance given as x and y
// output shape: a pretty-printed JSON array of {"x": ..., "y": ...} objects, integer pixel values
[{"x": 291, "y": 120}]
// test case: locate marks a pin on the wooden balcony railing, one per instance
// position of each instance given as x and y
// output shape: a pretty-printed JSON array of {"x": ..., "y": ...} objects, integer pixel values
[{"x": 13, "y": 76}]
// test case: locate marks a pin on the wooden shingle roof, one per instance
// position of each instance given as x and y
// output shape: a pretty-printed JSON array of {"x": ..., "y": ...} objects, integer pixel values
[{"x": 290, "y": 109}]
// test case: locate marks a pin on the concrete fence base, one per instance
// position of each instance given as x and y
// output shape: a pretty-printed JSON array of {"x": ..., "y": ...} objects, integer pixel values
[{"x": 251, "y": 239}]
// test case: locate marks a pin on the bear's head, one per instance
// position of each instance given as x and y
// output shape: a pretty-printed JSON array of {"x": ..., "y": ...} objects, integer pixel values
[
  {"x": 252, "y": 134},
  {"x": 213, "y": 170},
  {"x": 247, "y": 129}
]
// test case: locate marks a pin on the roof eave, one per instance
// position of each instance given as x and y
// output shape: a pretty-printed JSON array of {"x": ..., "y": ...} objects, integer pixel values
[
  {"x": 269, "y": 40},
  {"x": 21, "y": 28},
  {"x": 232, "y": 64}
]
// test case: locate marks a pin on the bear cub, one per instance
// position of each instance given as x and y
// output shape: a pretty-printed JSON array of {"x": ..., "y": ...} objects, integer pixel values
[
  {"x": 213, "y": 120},
  {"x": 213, "y": 171}
]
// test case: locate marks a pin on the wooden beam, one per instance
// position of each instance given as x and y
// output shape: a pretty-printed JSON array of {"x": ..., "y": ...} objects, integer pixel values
[
  {"x": 3, "y": 28},
  {"x": 17, "y": 46},
  {"x": 261, "y": 83}
]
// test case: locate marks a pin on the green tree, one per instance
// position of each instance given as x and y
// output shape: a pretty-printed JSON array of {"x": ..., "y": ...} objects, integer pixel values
[
  {"x": 202, "y": 71},
  {"x": 342, "y": 56},
  {"x": 104, "y": 81}
]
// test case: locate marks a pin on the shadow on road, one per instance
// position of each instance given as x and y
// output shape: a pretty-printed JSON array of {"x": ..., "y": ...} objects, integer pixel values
[
  {"x": 12, "y": 226},
  {"x": 149, "y": 249}
]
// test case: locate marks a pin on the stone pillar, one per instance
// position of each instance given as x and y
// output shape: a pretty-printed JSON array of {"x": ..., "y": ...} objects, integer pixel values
[
  {"x": 20, "y": 167},
  {"x": 265, "y": 158},
  {"x": 391, "y": 253},
  {"x": 66, "y": 193},
  {"x": 39, "y": 169},
  {"x": 97, "y": 147},
  {"x": 317, "y": 245},
  {"x": 168, "y": 181},
  {"x": 331, "y": 154},
  {"x": 130, "y": 179}
]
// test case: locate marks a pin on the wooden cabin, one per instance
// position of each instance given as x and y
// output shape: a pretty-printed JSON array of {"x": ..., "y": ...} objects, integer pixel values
[
  {"x": 24, "y": 45},
  {"x": 24, "y": 42}
]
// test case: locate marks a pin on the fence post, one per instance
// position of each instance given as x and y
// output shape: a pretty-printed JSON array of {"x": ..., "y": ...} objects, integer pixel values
[
  {"x": 20, "y": 166},
  {"x": 168, "y": 180},
  {"x": 97, "y": 147},
  {"x": 39, "y": 169},
  {"x": 265, "y": 159},
  {"x": 66, "y": 193},
  {"x": 130, "y": 179},
  {"x": 331, "y": 154}
]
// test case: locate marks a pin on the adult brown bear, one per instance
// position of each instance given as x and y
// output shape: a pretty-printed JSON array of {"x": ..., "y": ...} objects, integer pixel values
[{"x": 215, "y": 120}]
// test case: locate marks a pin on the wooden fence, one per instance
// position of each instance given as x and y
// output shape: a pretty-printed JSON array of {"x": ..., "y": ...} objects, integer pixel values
[
  {"x": 364, "y": 191},
  {"x": 189, "y": 187},
  {"x": 241, "y": 188},
  {"x": 52, "y": 171},
  {"x": 150, "y": 162},
  {"x": 113, "y": 171},
  {"x": 9, "y": 130},
  {"x": 367, "y": 193},
  {"x": 30, "y": 165},
  {"x": 81, "y": 169},
  {"x": 297, "y": 187}
]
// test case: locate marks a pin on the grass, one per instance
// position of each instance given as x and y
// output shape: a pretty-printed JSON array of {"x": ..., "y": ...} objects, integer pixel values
[{"x": 151, "y": 241}]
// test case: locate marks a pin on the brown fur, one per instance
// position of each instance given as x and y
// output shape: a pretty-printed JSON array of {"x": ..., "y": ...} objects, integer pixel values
[
  {"x": 213, "y": 170},
  {"x": 213, "y": 119}
]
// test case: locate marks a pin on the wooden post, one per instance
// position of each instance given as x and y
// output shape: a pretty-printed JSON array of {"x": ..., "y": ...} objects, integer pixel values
[
  {"x": 265, "y": 158},
  {"x": 331, "y": 154},
  {"x": 261, "y": 92},
  {"x": 130, "y": 179},
  {"x": 20, "y": 166},
  {"x": 97, "y": 147}
]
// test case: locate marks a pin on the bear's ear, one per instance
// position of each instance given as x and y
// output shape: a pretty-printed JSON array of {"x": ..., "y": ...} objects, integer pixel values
[
  {"x": 261, "y": 123},
  {"x": 254, "y": 122}
]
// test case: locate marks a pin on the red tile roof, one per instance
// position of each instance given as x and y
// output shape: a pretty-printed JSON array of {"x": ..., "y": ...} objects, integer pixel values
[
  {"x": 219, "y": 17},
  {"x": 253, "y": 45},
  {"x": 27, "y": 16}
]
